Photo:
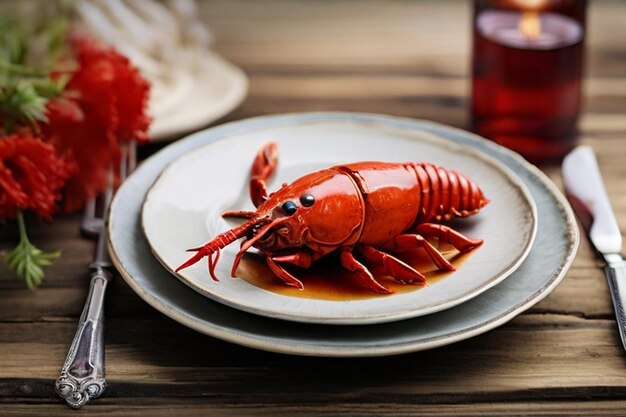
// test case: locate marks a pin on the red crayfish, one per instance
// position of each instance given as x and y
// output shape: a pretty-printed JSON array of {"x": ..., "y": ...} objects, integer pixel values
[{"x": 365, "y": 207}]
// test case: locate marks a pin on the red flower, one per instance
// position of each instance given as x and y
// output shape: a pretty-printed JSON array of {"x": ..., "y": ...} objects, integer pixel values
[
  {"x": 103, "y": 70},
  {"x": 104, "y": 103},
  {"x": 31, "y": 176},
  {"x": 80, "y": 137}
]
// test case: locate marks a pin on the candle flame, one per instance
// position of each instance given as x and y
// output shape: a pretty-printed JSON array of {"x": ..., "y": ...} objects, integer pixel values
[
  {"x": 530, "y": 25},
  {"x": 530, "y": 4}
]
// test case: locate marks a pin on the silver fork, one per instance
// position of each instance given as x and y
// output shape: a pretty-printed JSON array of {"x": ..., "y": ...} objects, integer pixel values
[{"x": 82, "y": 376}]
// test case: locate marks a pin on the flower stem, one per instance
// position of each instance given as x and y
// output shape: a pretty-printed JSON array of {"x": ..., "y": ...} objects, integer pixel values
[
  {"x": 22, "y": 228},
  {"x": 21, "y": 69}
]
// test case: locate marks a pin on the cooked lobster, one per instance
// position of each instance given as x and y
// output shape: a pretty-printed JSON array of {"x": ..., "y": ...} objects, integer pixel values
[{"x": 370, "y": 208}]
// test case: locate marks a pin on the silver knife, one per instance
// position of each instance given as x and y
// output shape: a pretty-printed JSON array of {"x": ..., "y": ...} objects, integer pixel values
[{"x": 585, "y": 191}]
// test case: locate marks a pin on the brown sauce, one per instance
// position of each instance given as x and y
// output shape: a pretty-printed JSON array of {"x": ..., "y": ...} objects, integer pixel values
[{"x": 327, "y": 280}]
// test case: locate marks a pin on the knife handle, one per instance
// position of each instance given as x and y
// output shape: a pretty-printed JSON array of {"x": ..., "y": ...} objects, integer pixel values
[{"x": 616, "y": 275}]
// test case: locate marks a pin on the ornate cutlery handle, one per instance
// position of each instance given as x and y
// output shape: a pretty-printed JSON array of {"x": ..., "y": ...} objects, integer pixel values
[{"x": 83, "y": 376}]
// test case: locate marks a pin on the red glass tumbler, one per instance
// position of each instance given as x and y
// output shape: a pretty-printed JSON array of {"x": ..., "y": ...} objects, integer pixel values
[{"x": 526, "y": 80}]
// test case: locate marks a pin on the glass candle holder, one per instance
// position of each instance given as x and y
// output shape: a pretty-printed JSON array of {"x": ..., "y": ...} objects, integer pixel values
[{"x": 527, "y": 64}]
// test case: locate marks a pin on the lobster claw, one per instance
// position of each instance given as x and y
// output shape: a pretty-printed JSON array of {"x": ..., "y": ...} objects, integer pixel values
[{"x": 263, "y": 168}]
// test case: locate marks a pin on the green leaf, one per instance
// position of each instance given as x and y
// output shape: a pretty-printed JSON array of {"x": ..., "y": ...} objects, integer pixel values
[
  {"x": 49, "y": 88},
  {"x": 27, "y": 260},
  {"x": 20, "y": 102},
  {"x": 28, "y": 51}
]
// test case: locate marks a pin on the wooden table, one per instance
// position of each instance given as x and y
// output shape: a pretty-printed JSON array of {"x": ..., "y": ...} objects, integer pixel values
[{"x": 405, "y": 58}]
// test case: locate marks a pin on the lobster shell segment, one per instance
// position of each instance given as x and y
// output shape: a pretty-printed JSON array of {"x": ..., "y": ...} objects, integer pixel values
[
  {"x": 446, "y": 194},
  {"x": 398, "y": 197}
]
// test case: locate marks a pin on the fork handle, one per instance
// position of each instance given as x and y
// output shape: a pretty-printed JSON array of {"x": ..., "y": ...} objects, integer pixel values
[{"x": 83, "y": 375}]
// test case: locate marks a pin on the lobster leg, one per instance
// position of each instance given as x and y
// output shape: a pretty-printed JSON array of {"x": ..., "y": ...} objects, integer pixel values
[
  {"x": 400, "y": 271},
  {"x": 448, "y": 235},
  {"x": 263, "y": 167},
  {"x": 411, "y": 242},
  {"x": 364, "y": 276},
  {"x": 282, "y": 273}
]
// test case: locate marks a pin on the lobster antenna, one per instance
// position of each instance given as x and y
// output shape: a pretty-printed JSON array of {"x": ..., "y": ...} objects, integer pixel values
[
  {"x": 219, "y": 242},
  {"x": 248, "y": 243}
]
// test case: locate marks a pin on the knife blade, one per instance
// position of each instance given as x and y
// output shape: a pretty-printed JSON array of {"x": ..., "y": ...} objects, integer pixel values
[{"x": 586, "y": 192}]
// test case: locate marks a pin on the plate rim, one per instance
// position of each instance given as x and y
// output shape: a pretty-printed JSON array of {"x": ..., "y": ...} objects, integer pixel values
[
  {"x": 240, "y": 84},
  {"x": 306, "y": 348},
  {"x": 377, "y": 317}
]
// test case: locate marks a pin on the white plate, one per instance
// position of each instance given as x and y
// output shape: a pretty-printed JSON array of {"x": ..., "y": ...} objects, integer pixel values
[
  {"x": 197, "y": 98},
  {"x": 549, "y": 260},
  {"x": 183, "y": 210}
]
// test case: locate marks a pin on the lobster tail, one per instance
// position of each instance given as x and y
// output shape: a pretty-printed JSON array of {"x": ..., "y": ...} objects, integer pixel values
[
  {"x": 212, "y": 248},
  {"x": 449, "y": 195}
]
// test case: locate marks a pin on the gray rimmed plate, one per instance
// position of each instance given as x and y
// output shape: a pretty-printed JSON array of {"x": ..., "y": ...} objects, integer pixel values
[
  {"x": 550, "y": 257},
  {"x": 183, "y": 209}
]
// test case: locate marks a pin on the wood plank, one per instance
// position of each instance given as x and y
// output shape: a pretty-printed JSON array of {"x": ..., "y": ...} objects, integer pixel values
[
  {"x": 570, "y": 354},
  {"x": 364, "y": 34},
  {"x": 339, "y": 407},
  {"x": 53, "y": 304},
  {"x": 600, "y": 93},
  {"x": 333, "y": 33}
]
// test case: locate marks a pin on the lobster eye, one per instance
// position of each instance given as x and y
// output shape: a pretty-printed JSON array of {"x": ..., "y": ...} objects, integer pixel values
[
  {"x": 307, "y": 200},
  {"x": 288, "y": 208}
]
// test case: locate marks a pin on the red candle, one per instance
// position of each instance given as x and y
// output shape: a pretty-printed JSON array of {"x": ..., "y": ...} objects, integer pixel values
[{"x": 527, "y": 68}]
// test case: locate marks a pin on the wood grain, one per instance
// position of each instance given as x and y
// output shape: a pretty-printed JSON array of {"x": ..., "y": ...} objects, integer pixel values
[{"x": 406, "y": 58}]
